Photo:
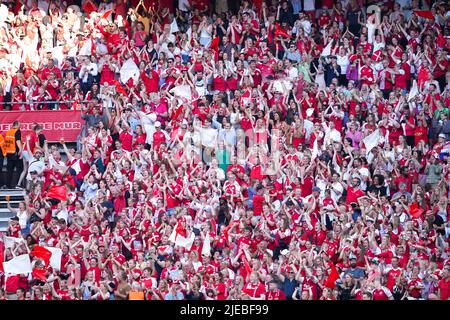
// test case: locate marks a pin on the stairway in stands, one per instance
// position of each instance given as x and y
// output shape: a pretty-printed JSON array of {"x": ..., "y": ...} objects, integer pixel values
[{"x": 16, "y": 196}]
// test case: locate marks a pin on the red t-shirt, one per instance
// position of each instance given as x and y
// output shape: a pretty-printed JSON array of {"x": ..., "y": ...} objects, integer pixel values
[
  {"x": 158, "y": 139},
  {"x": 257, "y": 204},
  {"x": 254, "y": 291},
  {"x": 444, "y": 287},
  {"x": 353, "y": 195},
  {"x": 127, "y": 140},
  {"x": 277, "y": 295}
]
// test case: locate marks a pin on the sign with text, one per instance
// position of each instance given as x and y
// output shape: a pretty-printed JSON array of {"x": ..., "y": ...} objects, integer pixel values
[{"x": 56, "y": 124}]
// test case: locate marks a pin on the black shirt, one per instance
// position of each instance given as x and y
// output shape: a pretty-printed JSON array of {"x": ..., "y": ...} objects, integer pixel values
[
  {"x": 42, "y": 139},
  {"x": 378, "y": 190},
  {"x": 18, "y": 137},
  {"x": 192, "y": 296},
  {"x": 345, "y": 292},
  {"x": 438, "y": 221}
]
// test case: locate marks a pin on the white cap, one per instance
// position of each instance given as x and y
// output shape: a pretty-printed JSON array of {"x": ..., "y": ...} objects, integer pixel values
[
  {"x": 309, "y": 112},
  {"x": 157, "y": 124},
  {"x": 284, "y": 252}
]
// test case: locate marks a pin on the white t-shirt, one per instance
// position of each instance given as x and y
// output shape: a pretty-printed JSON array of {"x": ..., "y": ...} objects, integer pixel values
[
  {"x": 209, "y": 137},
  {"x": 292, "y": 73},
  {"x": 306, "y": 27},
  {"x": 35, "y": 165},
  {"x": 23, "y": 218},
  {"x": 343, "y": 62}
]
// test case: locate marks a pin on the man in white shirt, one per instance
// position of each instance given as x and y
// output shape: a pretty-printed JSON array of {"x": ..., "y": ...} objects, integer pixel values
[
  {"x": 35, "y": 168},
  {"x": 87, "y": 69},
  {"x": 165, "y": 39},
  {"x": 292, "y": 72},
  {"x": 207, "y": 134},
  {"x": 100, "y": 46},
  {"x": 228, "y": 135},
  {"x": 305, "y": 24},
  {"x": 336, "y": 188},
  {"x": 331, "y": 134}
]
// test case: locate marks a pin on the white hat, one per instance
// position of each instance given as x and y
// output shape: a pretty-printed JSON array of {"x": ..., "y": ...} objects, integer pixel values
[
  {"x": 157, "y": 124},
  {"x": 309, "y": 112},
  {"x": 284, "y": 252}
]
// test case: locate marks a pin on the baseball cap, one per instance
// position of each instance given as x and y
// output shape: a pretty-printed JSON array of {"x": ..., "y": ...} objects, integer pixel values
[
  {"x": 442, "y": 135},
  {"x": 316, "y": 189},
  {"x": 157, "y": 124}
]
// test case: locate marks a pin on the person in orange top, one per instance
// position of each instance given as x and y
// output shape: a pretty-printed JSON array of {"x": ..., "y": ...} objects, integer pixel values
[
  {"x": 136, "y": 292},
  {"x": 2, "y": 156},
  {"x": 13, "y": 147}
]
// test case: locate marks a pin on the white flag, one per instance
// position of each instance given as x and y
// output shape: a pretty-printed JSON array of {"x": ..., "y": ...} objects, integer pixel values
[
  {"x": 183, "y": 91},
  {"x": 18, "y": 265},
  {"x": 189, "y": 33},
  {"x": 3, "y": 12},
  {"x": 414, "y": 91},
  {"x": 206, "y": 250},
  {"x": 372, "y": 140},
  {"x": 55, "y": 259},
  {"x": 327, "y": 50},
  {"x": 185, "y": 242},
  {"x": 174, "y": 26},
  {"x": 173, "y": 235},
  {"x": 315, "y": 150},
  {"x": 9, "y": 241},
  {"x": 58, "y": 54},
  {"x": 129, "y": 70},
  {"x": 73, "y": 51},
  {"x": 86, "y": 49},
  {"x": 278, "y": 85}
]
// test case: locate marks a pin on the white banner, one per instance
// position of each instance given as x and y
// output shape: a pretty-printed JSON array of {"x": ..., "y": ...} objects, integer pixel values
[
  {"x": 372, "y": 140},
  {"x": 183, "y": 91},
  {"x": 18, "y": 265},
  {"x": 129, "y": 70},
  {"x": 206, "y": 250},
  {"x": 55, "y": 259}
]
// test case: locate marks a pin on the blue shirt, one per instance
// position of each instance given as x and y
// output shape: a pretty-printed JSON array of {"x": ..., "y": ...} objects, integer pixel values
[
  {"x": 170, "y": 296},
  {"x": 289, "y": 287}
]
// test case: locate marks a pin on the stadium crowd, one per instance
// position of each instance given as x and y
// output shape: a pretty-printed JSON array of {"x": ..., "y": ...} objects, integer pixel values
[{"x": 232, "y": 150}]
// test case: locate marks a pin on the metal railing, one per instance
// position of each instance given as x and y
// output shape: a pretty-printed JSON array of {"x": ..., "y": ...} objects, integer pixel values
[{"x": 55, "y": 102}]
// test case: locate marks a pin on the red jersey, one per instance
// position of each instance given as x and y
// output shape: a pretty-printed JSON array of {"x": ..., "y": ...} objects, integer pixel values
[{"x": 254, "y": 291}]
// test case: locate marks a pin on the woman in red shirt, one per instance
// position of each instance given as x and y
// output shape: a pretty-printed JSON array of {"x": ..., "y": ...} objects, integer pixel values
[
  {"x": 421, "y": 131},
  {"x": 254, "y": 289},
  {"x": 17, "y": 96},
  {"x": 139, "y": 136}
]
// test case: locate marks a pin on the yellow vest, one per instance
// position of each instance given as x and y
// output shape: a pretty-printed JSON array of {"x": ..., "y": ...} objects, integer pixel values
[
  {"x": 136, "y": 295},
  {"x": 2, "y": 144},
  {"x": 10, "y": 142}
]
